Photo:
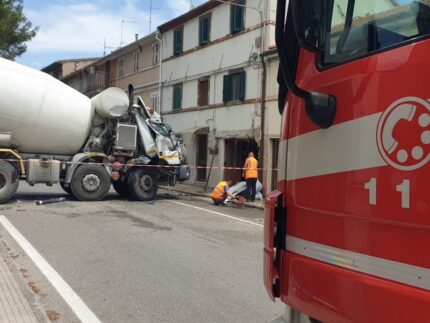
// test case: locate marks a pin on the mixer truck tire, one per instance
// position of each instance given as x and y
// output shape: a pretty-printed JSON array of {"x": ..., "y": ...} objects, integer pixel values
[
  {"x": 143, "y": 184},
  {"x": 90, "y": 183},
  {"x": 9, "y": 181},
  {"x": 121, "y": 188}
]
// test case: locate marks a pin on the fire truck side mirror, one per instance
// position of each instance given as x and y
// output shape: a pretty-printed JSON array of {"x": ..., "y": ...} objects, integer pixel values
[
  {"x": 320, "y": 108},
  {"x": 310, "y": 23}
]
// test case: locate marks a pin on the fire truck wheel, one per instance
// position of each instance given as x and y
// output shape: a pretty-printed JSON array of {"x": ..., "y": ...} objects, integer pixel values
[
  {"x": 90, "y": 183},
  {"x": 9, "y": 181},
  {"x": 121, "y": 188},
  {"x": 143, "y": 184}
]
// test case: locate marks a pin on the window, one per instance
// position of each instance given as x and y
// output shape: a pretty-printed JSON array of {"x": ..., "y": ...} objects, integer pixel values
[
  {"x": 205, "y": 30},
  {"x": 155, "y": 101},
  {"x": 177, "y": 97},
  {"x": 362, "y": 27},
  {"x": 178, "y": 40},
  {"x": 136, "y": 57},
  {"x": 237, "y": 16},
  {"x": 234, "y": 87},
  {"x": 155, "y": 53},
  {"x": 203, "y": 92},
  {"x": 121, "y": 66}
]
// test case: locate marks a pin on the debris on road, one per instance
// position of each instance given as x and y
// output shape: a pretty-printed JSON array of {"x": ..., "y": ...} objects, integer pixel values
[{"x": 51, "y": 201}]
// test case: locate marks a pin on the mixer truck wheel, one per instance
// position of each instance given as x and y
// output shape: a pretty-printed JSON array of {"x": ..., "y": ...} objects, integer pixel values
[
  {"x": 90, "y": 183},
  {"x": 143, "y": 184},
  {"x": 9, "y": 181}
]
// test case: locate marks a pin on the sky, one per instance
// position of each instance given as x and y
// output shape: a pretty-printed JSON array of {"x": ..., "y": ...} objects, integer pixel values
[{"x": 78, "y": 28}]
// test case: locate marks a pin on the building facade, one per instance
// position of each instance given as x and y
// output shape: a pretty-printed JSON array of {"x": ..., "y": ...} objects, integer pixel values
[
  {"x": 63, "y": 68},
  {"x": 137, "y": 63},
  {"x": 218, "y": 85}
]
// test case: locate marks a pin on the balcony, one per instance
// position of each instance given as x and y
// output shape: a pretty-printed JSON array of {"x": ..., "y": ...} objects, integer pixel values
[{"x": 90, "y": 84}]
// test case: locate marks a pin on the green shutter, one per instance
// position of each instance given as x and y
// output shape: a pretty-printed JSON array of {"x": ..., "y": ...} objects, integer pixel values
[
  {"x": 242, "y": 86},
  {"x": 227, "y": 89},
  {"x": 178, "y": 41},
  {"x": 177, "y": 98},
  {"x": 174, "y": 99},
  {"x": 237, "y": 17},
  {"x": 204, "y": 30}
]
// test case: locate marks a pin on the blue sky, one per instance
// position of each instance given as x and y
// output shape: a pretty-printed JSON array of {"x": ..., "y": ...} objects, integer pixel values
[{"x": 77, "y": 28}]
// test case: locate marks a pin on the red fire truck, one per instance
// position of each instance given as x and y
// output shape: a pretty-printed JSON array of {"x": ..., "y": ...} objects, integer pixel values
[{"x": 347, "y": 232}]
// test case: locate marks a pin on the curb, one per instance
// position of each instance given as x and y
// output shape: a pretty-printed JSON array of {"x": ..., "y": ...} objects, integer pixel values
[{"x": 207, "y": 196}]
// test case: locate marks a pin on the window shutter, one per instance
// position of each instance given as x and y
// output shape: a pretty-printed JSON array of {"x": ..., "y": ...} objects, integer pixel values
[
  {"x": 201, "y": 31},
  {"x": 227, "y": 89},
  {"x": 232, "y": 18},
  {"x": 205, "y": 30},
  {"x": 237, "y": 16},
  {"x": 176, "y": 98},
  {"x": 179, "y": 97},
  {"x": 178, "y": 41},
  {"x": 242, "y": 86}
]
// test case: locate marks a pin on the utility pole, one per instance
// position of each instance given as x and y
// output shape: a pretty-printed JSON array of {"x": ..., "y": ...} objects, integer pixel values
[
  {"x": 150, "y": 16},
  {"x": 151, "y": 9},
  {"x": 105, "y": 46},
  {"x": 122, "y": 31}
]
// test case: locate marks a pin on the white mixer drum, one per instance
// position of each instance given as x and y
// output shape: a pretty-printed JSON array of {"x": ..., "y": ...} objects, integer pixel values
[
  {"x": 44, "y": 115},
  {"x": 111, "y": 103}
]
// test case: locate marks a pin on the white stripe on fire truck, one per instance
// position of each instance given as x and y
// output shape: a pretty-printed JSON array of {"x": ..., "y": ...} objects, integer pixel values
[
  {"x": 379, "y": 267},
  {"x": 344, "y": 147}
]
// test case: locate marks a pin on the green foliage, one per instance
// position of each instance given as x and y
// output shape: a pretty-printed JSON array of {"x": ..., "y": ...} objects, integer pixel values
[{"x": 15, "y": 29}]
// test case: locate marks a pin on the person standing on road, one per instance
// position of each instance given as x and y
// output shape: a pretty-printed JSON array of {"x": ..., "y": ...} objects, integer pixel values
[
  {"x": 221, "y": 192},
  {"x": 250, "y": 173}
]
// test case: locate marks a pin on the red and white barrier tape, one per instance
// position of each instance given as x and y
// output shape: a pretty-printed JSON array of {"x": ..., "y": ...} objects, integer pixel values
[{"x": 138, "y": 165}]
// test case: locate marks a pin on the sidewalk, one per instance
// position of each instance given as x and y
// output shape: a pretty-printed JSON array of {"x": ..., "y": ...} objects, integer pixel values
[
  {"x": 200, "y": 191},
  {"x": 14, "y": 307}
]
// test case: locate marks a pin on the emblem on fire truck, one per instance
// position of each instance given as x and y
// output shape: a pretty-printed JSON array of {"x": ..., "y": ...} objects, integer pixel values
[{"x": 403, "y": 134}]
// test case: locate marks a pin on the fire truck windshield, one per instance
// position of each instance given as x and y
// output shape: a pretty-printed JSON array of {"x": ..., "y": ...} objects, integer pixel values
[{"x": 359, "y": 28}]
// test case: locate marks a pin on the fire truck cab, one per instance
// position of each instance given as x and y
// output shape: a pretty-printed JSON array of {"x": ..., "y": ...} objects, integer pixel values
[{"x": 347, "y": 232}]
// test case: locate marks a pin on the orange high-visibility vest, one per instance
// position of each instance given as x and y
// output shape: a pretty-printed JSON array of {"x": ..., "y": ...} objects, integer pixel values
[
  {"x": 251, "y": 166},
  {"x": 219, "y": 191}
]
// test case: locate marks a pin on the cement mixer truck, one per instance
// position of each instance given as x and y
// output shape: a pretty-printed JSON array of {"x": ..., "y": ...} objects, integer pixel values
[{"x": 51, "y": 134}]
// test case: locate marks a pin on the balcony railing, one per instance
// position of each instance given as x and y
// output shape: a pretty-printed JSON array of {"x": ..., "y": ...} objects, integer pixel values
[{"x": 91, "y": 83}]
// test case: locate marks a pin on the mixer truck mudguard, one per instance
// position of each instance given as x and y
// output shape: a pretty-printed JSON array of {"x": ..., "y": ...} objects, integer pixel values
[
  {"x": 347, "y": 230},
  {"x": 51, "y": 134}
]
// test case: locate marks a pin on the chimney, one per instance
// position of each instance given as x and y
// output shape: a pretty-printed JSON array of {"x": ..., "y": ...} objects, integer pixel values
[{"x": 136, "y": 37}]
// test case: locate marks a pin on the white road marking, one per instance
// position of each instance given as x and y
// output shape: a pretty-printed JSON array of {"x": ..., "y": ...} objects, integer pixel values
[
  {"x": 75, "y": 302},
  {"x": 217, "y": 213}
]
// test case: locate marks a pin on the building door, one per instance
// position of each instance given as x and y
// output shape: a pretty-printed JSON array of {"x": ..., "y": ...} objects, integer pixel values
[
  {"x": 202, "y": 157},
  {"x": 236, "y": 152}
]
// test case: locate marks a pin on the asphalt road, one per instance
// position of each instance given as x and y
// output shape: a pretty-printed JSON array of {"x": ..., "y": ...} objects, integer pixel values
[{"x": 168, "y": 261}]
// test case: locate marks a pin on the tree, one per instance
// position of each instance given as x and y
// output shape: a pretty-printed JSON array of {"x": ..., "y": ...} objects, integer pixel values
[{"x": 15, "y": 29}]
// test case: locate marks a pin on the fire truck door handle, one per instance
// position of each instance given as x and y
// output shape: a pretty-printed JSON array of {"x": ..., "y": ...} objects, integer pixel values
[{"x": 280, "y": 227}]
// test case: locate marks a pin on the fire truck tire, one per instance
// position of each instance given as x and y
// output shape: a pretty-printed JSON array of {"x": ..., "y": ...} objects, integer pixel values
[
  {"x": 143, "y": 184},
  {"x": 9, "y": 181},
  {"x": 90, "y": 183},
  {"x": 121, "y": 188}
]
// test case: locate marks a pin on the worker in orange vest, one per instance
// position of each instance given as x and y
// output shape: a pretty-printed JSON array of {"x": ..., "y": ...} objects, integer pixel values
[
  {"x": 250, "y": 173},
  {"x": 221, "y": 192}
]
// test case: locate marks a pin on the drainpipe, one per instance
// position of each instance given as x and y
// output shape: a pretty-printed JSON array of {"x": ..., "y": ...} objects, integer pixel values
[
  {"x": 263, "y": 107},
  {"x": 160, "y": 59}
]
